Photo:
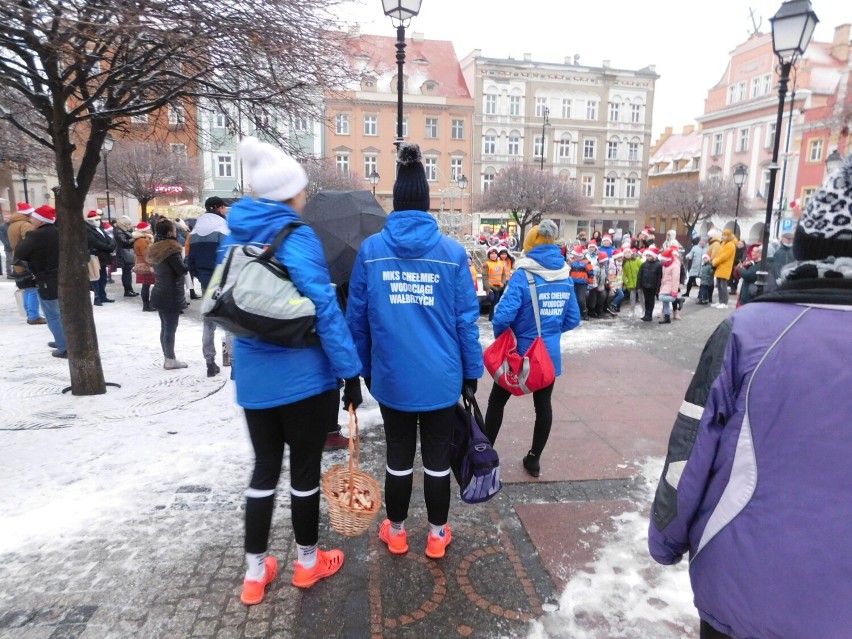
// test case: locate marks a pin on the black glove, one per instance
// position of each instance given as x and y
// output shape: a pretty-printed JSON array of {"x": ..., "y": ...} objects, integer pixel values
[
  {"x": 368, "y": 382},
  {"x": 352, "y": 393},
  {"x": 470, "y": 384}
]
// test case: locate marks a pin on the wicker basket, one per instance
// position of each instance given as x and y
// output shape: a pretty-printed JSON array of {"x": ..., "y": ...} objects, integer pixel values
[{"x": 345, "y": 519}]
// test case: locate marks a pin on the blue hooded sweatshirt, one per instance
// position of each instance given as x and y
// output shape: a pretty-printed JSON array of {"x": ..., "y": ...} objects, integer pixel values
[
  {"x": 413, "y": 312},
  {"x": 268, "y": 375},
  {"x": 557, "y": 303}
]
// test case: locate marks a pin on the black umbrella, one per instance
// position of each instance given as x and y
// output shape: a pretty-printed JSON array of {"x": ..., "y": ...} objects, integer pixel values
[{"x": 342, "y": 220}]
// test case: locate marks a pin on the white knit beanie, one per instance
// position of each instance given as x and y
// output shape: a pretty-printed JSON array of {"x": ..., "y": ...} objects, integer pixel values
[{"x": 273, "y": 174}]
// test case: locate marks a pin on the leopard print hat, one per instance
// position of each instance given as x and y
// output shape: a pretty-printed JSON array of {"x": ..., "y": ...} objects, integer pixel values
[{"x": 825, "y": 228}]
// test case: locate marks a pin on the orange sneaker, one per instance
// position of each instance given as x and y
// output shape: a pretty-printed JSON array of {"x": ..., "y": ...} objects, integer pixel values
[
  {"x": 397, "y": 544},
  {"x": 437, "y": 546},
  {"x": 253, "y": 591},
  {"x": 328, "y": 563}
]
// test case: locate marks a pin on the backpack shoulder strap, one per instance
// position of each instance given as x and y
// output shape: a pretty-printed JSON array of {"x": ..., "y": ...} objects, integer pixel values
[
  {"x": 270, "y": 251},
  {"x": 534, "y": 296}
]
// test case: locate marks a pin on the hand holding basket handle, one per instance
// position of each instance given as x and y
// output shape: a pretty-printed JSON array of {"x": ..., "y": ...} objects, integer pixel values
[{"x": 352, "y": 393}]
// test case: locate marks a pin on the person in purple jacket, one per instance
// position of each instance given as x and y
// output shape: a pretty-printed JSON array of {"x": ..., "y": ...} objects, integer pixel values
[{"x": 757, "y": 485}]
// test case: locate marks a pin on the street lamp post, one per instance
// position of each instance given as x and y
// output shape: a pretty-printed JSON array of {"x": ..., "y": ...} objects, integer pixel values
[
  {"x": 109, "y": 142},
  {"x": 400, "y": 13},
  {"x": 374, "y": 180},
  {"x": 23, "y": 169},
  {"x": 792, "y": 28},
  {"x": 543, "y": 127},
  {"x": 740, "y": 173}
]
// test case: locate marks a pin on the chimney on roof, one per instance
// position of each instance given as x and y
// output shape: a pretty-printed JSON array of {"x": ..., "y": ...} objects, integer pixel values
[
  {"x": 417, "y": 36},
  {"x": 840, "y": 43},
  {"x": 576, "y": 59},
  {"x": 689, "y": 128},
  {"x": 528, "y": 57}
]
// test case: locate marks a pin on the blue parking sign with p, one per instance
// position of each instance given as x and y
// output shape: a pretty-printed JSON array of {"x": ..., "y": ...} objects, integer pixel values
[{"x": 787, "y": 224}]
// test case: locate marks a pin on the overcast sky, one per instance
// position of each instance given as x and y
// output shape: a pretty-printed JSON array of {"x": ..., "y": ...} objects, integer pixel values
[{"x": 688, "y": 41}]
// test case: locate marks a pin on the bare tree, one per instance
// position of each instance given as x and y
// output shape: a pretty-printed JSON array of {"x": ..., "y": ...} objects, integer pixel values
[
  {"x": 528, "y": 194},
  {"x": 692, "y": 201},
  {"x": 323, "y": 175},
  {"x": 145, "y": 170},
  {"x": 83, "y": 68}
]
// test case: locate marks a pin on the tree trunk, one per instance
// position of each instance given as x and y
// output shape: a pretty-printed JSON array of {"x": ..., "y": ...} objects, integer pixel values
[
  {"x": 144, "y": 204},
  {"x": 75, "y": 305}
]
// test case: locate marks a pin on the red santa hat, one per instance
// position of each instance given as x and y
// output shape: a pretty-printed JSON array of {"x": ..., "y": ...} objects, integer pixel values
[
  {"x": 602, "y": 257},
  {"x": 606, "y": 238},
  {"x": 143, "y": 226},
  {"x": 46, "y": 214},
  {"x": 107, "y": 226},
  {"x": 618, "y": 254},
  {"x": 93, "y": 215},
  {"x": 593, "y": 242},
  {"x": 577, "y": 251},
  {"x": 25, "y": 209},
  {"x": 649, "y": 253}
]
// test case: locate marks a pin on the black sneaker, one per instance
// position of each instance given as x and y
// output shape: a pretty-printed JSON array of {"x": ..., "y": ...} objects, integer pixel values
[
  {"x": 51, "y": 344},
  {"x": 212, "y": 369},
  {"x": 532, "y": 464},
  {"x": 60, "y": 354}
]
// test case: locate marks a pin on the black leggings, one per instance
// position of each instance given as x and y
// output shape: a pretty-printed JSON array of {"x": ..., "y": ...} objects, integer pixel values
[
  {"x": 168, "y": 328},
  {"x": 543, "y": 415},
  {"x": 709, "y": 632},
  {"x": 436, "y": 430},
  {"x": 650, "y": 299},
  {"x": 146, "y": 294},
  {"x": 127, "y": 278},
  {"x": 690, "y": 283},
  {"x": 301, "y": 425}
]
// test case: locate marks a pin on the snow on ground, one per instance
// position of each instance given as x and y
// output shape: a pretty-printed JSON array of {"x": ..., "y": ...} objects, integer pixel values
[
  {"x": 142, "y": 441},
  {"x": 623, "y": 593}
]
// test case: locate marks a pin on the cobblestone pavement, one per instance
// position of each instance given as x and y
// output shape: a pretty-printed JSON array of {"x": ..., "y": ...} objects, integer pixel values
[{"x": 174, "y": 567}]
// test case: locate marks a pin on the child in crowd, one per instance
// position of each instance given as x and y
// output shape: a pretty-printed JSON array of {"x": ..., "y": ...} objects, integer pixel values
[
  {"x": 705, "y": 276},
  {"x": 582, "y": 274},
  {"x": 616, "y": 281},
  {"x": 630, "y": 276},
  {"x": 601, "y": 288}
]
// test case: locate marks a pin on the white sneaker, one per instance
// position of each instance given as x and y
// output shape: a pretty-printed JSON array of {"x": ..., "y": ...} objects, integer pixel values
[{"x": 721, "y": 306}]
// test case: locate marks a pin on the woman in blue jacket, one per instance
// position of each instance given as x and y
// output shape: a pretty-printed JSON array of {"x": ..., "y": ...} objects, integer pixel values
[
  {"x": 413, "y": 312},
  {"x": 559, "y": 313},
  {"x": 288, "y": 394}
]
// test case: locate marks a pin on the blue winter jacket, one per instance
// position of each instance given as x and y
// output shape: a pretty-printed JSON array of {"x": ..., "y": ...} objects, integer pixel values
[
  {"x": 557, "y": 303},
  {"x": 209, "y": 231},
  {"x": 413, "y": 312},
  {"x": 268, "y": 375}
]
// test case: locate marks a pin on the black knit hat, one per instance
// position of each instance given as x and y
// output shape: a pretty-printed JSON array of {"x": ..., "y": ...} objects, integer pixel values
[
  {"x": 411, "y": 190},
  {"x": 213, "y": 203},
  {"x": 825, "y": 228}
]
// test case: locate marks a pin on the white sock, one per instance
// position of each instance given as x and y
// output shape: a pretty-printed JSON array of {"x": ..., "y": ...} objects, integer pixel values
[
  {"x": 437, "y": 531},
  {"x": 397, "y": 527},
  {"x": 307, "y": 555},
  {"x": 256, "y": 566}
]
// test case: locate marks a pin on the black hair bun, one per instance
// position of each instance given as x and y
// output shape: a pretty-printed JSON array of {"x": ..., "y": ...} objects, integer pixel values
[{"x": 409, "y": 153}]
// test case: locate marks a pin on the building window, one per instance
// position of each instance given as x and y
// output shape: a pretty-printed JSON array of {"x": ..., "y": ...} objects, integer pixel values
[
  {"x": 371, "y": 163},
  {"x": 756, "y": 87},
  {"x": 770, "y": 134},
  {"x": 587, "y": 186},
  {"x": 488, "y": 180},
  {"x": 609, "y": 187},
  {"x": 566, "y": 108},
  {"x": 815, "y": 151},
  {"x": 404, "y": 126},
  {"x": 514, "y": 105},
  {"x": 630, "y": 191},
  {"x": 489, "y": 144},
  {"x": 456, "y": 168},
  {"x": 458, "y": 130},
  {"x": 178, "y": 149},
  {"x": 717, "y": 144},
  {"x": 592, "y": 110},
  {"x": 430, "y": 165},
  {"x": 564, "y": 150},
  {"x": 341, "y": 160},
  {"x": 300, "y": 123},
  {"x": 538, "y": 146},
  {"x": 514, "y": 145},
  {"x": 632, "y": 150},
  {"x": 371, "y": 125},
  {"x": 742, "y": 140},
  {"x": 341, "y": 124},
  {"x": 588, "y": 149},
  {"x": 176, "y": 115},
  {"x": 490, "y": 104},
  {"x": 764, "y": 186},
  {"x": 636, "y": 113},
  {"x": 807, "y": 194},
  {"x": 224, "y": 166},
  {"x": 220, "y": 120},
  {"x": 767, "y": 84},
  {"x": 614, "y": 111},
  {"x": 431, "y": 127},
  {"x": 540, "y": 107},
  {"x": 612, "y": 150}
]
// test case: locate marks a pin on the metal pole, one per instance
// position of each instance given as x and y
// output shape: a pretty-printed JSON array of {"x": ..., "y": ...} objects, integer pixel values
[
  {"x": 737, "y": 213},
  {"x": 106, "y": 179},
  {"x": 786, "y": 156},
  {"x": 543, "y": 125},
  {"x": 773, "y": 170},
  {"x": 400, "y": 62},
  {"x": 26, "y": 188}
]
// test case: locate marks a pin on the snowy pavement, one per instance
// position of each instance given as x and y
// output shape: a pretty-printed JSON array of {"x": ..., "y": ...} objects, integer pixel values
[{"x": 122, "y": 512}]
